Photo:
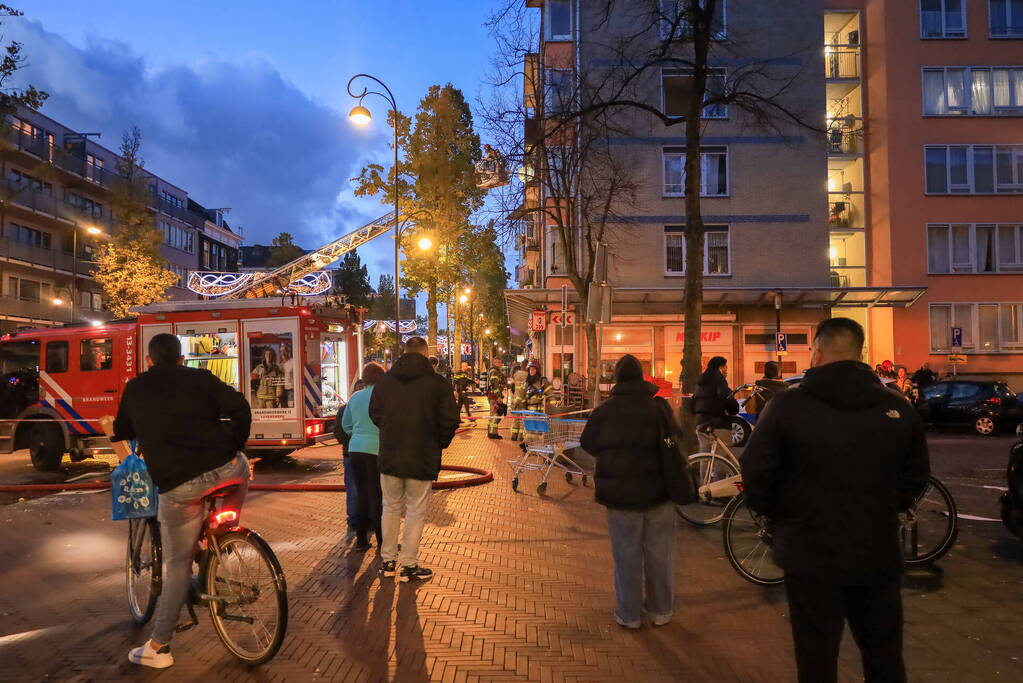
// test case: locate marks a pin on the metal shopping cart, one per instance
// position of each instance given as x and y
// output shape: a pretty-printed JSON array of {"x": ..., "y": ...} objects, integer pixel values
[{"x": 544, "y": 446}]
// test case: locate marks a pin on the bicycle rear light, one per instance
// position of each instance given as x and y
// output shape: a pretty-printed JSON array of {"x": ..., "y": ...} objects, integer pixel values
[{"x": 224, "y": 518}]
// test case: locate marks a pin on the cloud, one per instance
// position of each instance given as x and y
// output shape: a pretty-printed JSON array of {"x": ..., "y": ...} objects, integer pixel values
[{"x": 229, "y": 133}]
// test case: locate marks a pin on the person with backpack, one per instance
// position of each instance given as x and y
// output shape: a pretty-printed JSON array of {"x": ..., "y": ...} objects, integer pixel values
[{"x": 624, "y": 436}]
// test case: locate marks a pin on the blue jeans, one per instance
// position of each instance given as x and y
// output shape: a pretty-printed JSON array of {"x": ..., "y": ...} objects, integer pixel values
[
  {"x": 643, "y": 548},
  {"x": 351, "y": 494},
  {"x": 181, "y": 517}
]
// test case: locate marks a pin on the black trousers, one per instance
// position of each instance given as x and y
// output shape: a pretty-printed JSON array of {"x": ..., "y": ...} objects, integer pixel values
[
  {"x": 819, "y": 611},
  {"x": 465, "y": 401},
  {"x": 370, "y": 502}
]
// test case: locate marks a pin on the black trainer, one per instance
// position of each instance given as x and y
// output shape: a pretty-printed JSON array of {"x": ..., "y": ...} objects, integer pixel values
[
  {"x": 415, "y": 572},
  {"x": 389, "y": 569}
]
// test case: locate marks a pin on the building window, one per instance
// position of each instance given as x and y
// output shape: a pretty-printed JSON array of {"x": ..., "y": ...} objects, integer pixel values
[
  {"x": 86, "y": 205},
  {"x": 559, "y": 19},
  {"x": 20, "y": 179},
  {"x": 942, "y": 18},
  {"x": 94, "y": 169},
  {"x": 176, "y": 237},
  {"x": 27, "y": 290},
  {"x": 171, "y": 200},
  {"x": 675, "y": 84},
  {"x": 987, "y": 327},
  {"x": 90, "y": 301},
  {"x": 1005, "y": 18},
  {"x": 675, "y": 23},
  {"x": 182, "y": 274},
  {"x": 713, "y": 171},
  {"x": 973, "y": 91},
  {"x": 30, "y": 236},
  {"x": 969, "y": 248},
  {"x": 716, "y": 251},
  {"x": 974, "y": 169},
  {"x": 559, "y": 91}
]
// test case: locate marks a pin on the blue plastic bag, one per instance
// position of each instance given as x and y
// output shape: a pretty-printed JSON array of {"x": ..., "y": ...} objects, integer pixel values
[{"x": 132, "y": 494}]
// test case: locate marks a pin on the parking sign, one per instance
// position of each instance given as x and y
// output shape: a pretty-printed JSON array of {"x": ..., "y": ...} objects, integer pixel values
[
  {"x": 957, "y": 337},
  {"x": 781, "y": 342}
]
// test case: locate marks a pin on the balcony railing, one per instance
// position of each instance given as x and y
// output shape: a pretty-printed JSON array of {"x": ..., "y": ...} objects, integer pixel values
[
  {"x": 841, "y": 62},
  {"x": 844, "y": 142},
  {"x": 67, "y": 159},
  {"x": 54, "y": 259},
  {"x": 25, "y": 195}
]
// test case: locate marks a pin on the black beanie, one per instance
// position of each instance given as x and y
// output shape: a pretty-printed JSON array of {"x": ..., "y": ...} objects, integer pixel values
[{"x": 628, "y": 368}]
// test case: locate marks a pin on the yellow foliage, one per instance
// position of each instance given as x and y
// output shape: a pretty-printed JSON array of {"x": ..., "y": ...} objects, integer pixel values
[{"x": 130, "y": 277}]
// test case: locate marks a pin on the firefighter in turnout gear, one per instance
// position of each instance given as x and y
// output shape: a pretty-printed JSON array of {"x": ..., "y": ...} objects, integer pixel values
[
  {"x": 497, "y": 380},
  {"x": 533, "y": 393},
  {"x": 462, "y": 380}
]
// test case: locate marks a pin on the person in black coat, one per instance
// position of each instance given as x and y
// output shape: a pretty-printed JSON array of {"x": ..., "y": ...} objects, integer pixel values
[
  {"x": 714, "y": 404},
  {"x": 832, "y": 464},
  {"x": 623, "y": 434},
  {"x": 415, "y": 409}
]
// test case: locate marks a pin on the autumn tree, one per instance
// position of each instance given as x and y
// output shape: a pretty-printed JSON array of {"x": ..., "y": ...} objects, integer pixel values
[
  {"x": 437, "y": 187},
  {"x": 129, "y": 267}
]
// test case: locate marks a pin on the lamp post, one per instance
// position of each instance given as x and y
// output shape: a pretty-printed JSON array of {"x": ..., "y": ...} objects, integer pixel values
[
  {"x": 92, "y": 230},
  {"x": 361, "y": 116}
]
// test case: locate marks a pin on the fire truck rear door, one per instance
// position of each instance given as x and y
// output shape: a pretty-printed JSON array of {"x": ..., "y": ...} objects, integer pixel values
[{"x": 272, "y": 378}]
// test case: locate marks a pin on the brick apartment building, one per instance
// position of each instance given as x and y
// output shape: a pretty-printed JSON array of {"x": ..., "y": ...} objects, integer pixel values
[{"x": 55, "y": 209}]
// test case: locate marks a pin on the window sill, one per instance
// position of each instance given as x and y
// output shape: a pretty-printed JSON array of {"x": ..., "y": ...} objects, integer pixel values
[
  {"x": 666, "y": 195},
  {"x": 718, "y": 275},
  {"x": 944, "y": 37},
  {"x": 1014, "y": 36},
  {"x": 1007, "y": 115},
  {"x": 963, "y": 352},
  {"x": 1003, "y": 272}
]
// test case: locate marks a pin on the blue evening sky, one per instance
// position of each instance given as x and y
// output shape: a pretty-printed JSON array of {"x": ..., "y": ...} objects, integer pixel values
[{"x": 243, "y": 104}]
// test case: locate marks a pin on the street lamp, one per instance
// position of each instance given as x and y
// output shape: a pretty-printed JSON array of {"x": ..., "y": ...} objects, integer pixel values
[
  {"x": 95, "y": 232},
  {"x": 425, "y": 243},
  {"x": 361, "y": 116}
]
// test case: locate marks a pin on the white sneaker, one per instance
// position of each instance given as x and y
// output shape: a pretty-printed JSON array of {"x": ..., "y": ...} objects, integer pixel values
[{"x": 145, "y": 655}]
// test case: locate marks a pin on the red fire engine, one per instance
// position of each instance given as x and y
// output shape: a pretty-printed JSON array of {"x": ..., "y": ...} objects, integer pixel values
[{"x": 293, "y": 363}]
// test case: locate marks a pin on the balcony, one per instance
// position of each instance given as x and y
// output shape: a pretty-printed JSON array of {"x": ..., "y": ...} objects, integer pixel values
[
  {"x": 845, "y": 137},
  {"x": 40, "y": 201},
  {"x": 33, "y": 310},
  {"x": 70, "y": 158},
  {"x": 52, "y": 259},
  {"x": 525, "y": 276}
]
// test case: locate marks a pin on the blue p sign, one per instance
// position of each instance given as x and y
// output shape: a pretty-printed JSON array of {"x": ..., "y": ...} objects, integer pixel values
[
  {"x": 781, "y": 341},
  {"x": 957, "y": 337}
]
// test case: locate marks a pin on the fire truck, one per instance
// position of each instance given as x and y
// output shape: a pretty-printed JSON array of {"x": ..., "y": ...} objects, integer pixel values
[{"x": 294, "y": 364}]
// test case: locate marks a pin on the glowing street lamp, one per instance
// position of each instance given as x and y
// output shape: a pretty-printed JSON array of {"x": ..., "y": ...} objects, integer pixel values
[{"x": 425, "y": 243}]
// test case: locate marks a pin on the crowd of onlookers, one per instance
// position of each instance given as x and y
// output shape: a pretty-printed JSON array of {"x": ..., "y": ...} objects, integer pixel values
[{"x": 899, "y": 378}]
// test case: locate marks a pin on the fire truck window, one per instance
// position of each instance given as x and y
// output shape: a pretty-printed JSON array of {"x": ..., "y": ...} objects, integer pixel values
[
  {"x": 217, "y": 353},
  {"x": 97, "y": 354},
  {"x": 18, "y": 356},
  {"x": 56, "y": 356}
]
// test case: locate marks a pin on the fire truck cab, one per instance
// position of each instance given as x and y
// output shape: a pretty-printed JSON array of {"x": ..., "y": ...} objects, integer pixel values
[{"x": 294, "y": 363}]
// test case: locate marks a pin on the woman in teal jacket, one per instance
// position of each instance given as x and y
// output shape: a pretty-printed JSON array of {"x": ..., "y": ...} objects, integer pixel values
[{"x": 362, "y": 450}]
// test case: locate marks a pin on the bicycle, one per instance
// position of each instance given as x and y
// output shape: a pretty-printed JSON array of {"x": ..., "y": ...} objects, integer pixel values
[
  {"x": 239, "y": 580},
  {"x": 716, "y": 475},
  {"x": 926, "y": 533}
]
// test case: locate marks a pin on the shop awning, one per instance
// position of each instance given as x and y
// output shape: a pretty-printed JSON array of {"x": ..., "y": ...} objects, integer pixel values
[{"x": 640, "y": 300}]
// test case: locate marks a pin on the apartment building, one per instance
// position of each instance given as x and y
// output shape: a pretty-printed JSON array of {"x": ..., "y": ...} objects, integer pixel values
[
  {"x": 55, "y": 210},
  {"x": 784, "y": 208},
  {"x": 942, "y": 97}
]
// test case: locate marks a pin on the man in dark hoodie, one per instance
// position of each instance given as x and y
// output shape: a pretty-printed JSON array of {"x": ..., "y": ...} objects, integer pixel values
[
  {"x": 832, "y": 464},
  {"x": 623, "y": 435},
  {"x": 714, "y": 404},
  {"x": 415, "y": 409}
]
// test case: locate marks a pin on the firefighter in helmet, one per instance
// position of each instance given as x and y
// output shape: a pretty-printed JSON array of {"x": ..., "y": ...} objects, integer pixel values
[
  {"x": 533, "y": 393},
  {"x": 496, "y": 382}
]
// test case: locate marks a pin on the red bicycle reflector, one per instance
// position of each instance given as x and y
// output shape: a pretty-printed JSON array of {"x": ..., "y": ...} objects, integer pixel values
[{"x": 222, "y": 518}]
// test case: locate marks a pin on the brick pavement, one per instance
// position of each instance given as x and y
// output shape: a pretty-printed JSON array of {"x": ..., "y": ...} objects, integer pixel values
[{"x": 523, "y": 591}]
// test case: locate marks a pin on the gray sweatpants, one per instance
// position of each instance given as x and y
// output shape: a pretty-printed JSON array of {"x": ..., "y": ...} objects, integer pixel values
[
  {"x": 409, "y": 496},
  {"x": 643, "y": 548}
]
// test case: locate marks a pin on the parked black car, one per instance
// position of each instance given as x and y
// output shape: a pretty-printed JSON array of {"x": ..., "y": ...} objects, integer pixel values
[
  {"x": 987, "y": 407},
  {"x": 1012, "y": 500}
]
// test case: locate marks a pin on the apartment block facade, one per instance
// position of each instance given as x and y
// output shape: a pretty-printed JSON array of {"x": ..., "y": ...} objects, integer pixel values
[
  {"x": 785, "y": 206},
  {"x": 55, "y": 210},
  {"x": 943, "y": 98}
]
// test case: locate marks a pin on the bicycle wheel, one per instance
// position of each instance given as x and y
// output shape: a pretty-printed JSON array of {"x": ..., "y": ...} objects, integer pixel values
[
  {"x": 748, "y": 544},
  {"x": 143, "y": 568},
  {"x": 707, "y": 468},
  {"x": 247, "y": 595},
  {"x": 934, "y": 530}
]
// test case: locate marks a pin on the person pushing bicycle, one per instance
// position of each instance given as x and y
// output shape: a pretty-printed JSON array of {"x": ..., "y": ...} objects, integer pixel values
[{"x": 177, "y": 414}]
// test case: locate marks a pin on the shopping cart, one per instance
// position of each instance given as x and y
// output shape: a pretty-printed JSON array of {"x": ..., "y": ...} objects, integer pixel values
[{"x": 544, "y": 446}]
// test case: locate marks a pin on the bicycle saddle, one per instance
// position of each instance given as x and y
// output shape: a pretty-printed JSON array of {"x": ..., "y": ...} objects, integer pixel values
[
  {"x": 705, "y": 428},
  {"x": 221, "y": 491}
]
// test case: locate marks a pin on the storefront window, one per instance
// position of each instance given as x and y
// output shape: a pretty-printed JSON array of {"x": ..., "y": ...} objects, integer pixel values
[
  {"x": 217, "y": 353},
  {"x": 626, "y": 336},
  {"x": 608, "y": 360}
]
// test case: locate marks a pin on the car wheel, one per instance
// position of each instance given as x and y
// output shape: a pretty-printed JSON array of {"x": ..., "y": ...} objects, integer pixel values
[
  {"x": 741, "y": 431},
  {"x": 45, "y": 445},
  {"x": 985, "y": 425}
]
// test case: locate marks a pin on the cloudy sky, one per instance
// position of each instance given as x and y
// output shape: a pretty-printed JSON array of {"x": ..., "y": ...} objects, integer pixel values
[{"x": 243, "y": 104}]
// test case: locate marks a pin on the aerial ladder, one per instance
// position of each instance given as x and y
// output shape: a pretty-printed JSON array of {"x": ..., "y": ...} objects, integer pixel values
[{"x": 306, "y": 275}]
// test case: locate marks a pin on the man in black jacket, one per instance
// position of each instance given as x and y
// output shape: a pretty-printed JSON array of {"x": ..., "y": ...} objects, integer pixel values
[
  {"x": 176, "y": 414},
  {"x": 417, "y": 415},
  {"x": 714, "y": 404},
  {"x": 832, "y": 463}
]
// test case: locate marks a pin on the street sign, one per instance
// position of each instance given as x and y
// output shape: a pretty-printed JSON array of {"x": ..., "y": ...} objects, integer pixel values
[
  {"x": 781, "y": 342},
  {"x": 538, "y": 321},
  {"x": 957, "y": 338},
  {"x": 957, "y": 358},
  {"x": 562, "y": 318},
  {"x": 466, "y": 348}
]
